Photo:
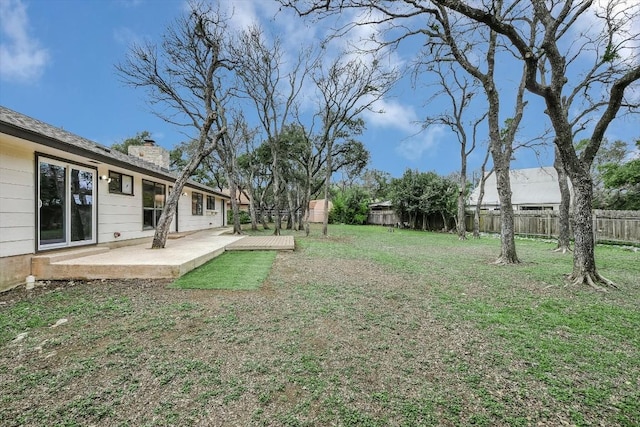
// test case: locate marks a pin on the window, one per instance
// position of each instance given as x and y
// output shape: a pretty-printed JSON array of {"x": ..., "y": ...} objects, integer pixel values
[
  {"x": 196, "y": 203},
  {"x": 211, "y": 203},
  {"x": 120, "y": 183},
  {"x": 153, "y": 195}
]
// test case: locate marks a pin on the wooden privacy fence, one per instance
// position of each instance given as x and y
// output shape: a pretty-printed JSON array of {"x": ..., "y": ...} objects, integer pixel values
[
  {"x": 382, "y": 217},
  {"x": 608, "y": 226}
]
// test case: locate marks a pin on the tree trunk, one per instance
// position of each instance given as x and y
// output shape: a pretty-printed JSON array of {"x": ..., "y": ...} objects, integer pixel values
[
  {"x": 306, "y": 212},
  {"x": 252, "y": 209},
  {"x": 291, "y": 209},
  {"x": 327, "y": 185},
  {"x": 476, "y": 212},
  {"x": 584, "y": 263},
  {"x": 476, "y": 221},
  {"x": 164, "y": 223},
  {"x": 444, "y": 221},
  {"x": 303, "y": 213},
  {"x": 508, "y": 253},
  {"x": 325, "y": 219},
  {"x": 233, "y": 192},
  {"x": 276, "y": 188},
  {"x": 461, "y": 225},
  {"x": 263, "y": 217},
  {"x": 564, "y": 232}
]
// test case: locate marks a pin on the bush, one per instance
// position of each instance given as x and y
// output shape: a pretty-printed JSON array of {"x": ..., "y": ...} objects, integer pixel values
[
  {"x": 350, "y": 207},
  {"x": 244, "y": 217}
]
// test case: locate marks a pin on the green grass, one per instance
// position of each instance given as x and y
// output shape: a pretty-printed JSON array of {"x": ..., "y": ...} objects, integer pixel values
[
  {"x": 236, "y": 270},
  {"x": 360, "y": 328}
]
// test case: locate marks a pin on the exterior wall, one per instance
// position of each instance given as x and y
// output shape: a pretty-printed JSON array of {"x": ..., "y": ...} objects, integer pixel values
[
  {"x": 119, "y": 216},
  {"x": 209, "y": 218},
  {"x": 14, "y": 270},
  {"x": 532, "y": 188},
  {"x": 120, "y": 213},
  {"x": 316, "y": 210},
  {"x": 17, "y": 199}
]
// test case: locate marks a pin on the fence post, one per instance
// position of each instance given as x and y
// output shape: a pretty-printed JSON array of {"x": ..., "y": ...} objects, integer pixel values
[{"x": 594, "y": 217}]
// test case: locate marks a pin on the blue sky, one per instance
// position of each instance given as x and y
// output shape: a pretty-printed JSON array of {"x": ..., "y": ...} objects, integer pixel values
[{"x": 57, "y": 62}]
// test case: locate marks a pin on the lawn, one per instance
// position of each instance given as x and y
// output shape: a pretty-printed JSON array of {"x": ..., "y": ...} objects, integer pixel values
[
  {"x": 237, "y": 270},
  {"x": 362, "y": 328}
]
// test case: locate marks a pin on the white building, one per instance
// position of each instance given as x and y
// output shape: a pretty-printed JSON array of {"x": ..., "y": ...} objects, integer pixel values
[
  {"x": 59, "y": 190},
  {"x": 532, "y": 189}
]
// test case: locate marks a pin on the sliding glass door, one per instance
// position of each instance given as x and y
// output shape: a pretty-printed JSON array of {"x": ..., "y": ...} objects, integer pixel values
[{"x": 66, "y": 204}]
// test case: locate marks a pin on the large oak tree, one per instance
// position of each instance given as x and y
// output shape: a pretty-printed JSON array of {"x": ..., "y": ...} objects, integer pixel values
[{"x": 579, "y": 57}]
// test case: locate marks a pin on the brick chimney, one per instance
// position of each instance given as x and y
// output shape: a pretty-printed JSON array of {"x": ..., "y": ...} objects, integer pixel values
[{"x": 150, "y": 152}]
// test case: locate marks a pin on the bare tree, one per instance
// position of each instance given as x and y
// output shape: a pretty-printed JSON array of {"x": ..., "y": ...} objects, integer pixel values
[
  {"x": 346, "y": 89},
  {"x": 501, "y": 139},
  {"x": 228, "y": 151},
  {"x": 304, "y": 157},
  {"x": 449, "y": 38},
  {"x": 249, "y": 171},
  {"x": 184, "y": 79},
  {"x": 459, "y": 92},
  {"x": 554, "y": 39},
  {"x": 594, "y": 43},
  {"x": 274, "y": 91}
]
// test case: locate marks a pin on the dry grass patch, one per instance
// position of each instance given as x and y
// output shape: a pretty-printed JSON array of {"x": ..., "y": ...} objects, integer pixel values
[{"x": 368, "y": 328}]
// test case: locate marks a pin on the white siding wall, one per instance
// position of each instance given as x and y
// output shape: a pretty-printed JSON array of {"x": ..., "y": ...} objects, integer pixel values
[
  {"x": 123, "y": 213},
  {"x": 117, "y": 213},
  {"x": 120, "y": 213},
  {"x": 17, "y": 215},
  {"x": 189, "y": 222}
]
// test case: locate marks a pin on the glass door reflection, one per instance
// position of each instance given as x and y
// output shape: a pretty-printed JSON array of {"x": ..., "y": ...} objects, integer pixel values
[{"x": 66, "y": 204}]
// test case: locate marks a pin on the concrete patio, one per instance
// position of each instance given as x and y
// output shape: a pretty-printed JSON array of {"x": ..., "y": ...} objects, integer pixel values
[{"x": 181, "y": 255}]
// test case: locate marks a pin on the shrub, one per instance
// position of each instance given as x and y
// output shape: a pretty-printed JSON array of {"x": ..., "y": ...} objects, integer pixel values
[{"x": 244, "y": 217}]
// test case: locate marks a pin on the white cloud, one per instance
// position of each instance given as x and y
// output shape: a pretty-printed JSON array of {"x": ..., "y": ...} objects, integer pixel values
[
  {"x": 127, "y": 36},
  {"x": 394, "y": 115},
  {"x": 414, "y": 147},
  {"x": 413, "y": 141},
  {"x": 21, "y": 56}
]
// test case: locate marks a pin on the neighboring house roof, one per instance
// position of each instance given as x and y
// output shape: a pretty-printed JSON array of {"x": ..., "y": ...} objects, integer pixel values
[
  {"x": 28, "y": 128},
  {"x": 241, "y": 196},
  {"x": 533, "y": 186},
  {"x": 381, "y": 205}
]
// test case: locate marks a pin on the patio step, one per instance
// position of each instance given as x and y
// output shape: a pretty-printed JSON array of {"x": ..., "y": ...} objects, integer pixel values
[
  {"x": 141, "y": 262},
  {"x": 96, "y": 266},
  {"x": 41, "y": 262}
]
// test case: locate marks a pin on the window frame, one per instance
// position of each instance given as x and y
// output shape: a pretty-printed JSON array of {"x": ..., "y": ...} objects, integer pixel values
[
  {"x": 212, "y": 199},
  {"x": 197, "y": 201},
  {"x": 157, "y": 208},
  {"x": 118, "y": 177}
]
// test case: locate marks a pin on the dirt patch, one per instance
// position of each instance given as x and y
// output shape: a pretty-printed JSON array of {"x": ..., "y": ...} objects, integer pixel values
[{"x": 338, "y": 342}]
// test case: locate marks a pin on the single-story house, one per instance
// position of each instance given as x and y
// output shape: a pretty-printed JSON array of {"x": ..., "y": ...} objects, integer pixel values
[
  {"x": 59, "y": 191},
  {"x": 531, "y": 189}
]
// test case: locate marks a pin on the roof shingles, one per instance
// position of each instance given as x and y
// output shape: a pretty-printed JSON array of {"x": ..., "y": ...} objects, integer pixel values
[{"x": 91, "y": 149}]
